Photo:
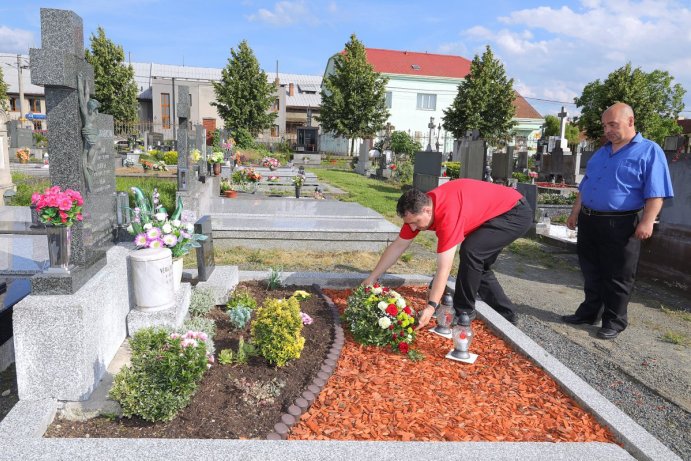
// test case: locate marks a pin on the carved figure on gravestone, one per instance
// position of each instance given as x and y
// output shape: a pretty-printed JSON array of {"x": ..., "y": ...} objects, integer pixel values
[
  {"x": 488, "y": 174},
  {"x": 88, "y": 109}
]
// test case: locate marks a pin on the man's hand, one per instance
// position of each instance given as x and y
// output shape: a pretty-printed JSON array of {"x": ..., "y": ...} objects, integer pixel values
[
  {"x": 572, "y": 221},
  {"x": 644, "y": 230},
  {"x": 424, "y": 317}
]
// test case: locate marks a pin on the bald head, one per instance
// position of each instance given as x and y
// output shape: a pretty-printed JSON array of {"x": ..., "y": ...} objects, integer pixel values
[{"x": 618, "y": 123}]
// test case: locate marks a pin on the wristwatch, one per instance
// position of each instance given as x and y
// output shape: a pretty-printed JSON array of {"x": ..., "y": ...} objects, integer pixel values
[{"x": 432, "y": 304}]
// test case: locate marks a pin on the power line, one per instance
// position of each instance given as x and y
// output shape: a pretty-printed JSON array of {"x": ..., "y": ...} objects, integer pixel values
[{"x": 549, "y": 100}]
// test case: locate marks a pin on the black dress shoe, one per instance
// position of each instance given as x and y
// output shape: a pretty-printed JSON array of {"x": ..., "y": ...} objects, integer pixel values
[
  {"x": 511, "y": 317},
  {"x": 471, "y": 313},
  {"x": 573, "y": 319},
  {"x": 607, "y": 333}
]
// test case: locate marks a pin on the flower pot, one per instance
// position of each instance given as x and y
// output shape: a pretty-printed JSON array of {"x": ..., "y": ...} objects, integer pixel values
[
  {"x": 231, "y": 193},
  {"x": 59, "y": 248},
  {"x": 297, "y": 191},
  {"x": 272, "y": 168},
  {"x": 152, "y": 279},
  {"x": 177, "y": 273},
  {"x": 217, "y": 169},
  {"x": 23, "y": 160}
]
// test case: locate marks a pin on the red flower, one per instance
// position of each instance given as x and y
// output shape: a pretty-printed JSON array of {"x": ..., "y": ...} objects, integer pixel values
[
  {"x": 407, "y": 310},
  {"x": 390, "y": 327},
  {"x": 403, "y": 347},
  {"x": 392, "y": 310},
  {"x": 376, "y": 285}
]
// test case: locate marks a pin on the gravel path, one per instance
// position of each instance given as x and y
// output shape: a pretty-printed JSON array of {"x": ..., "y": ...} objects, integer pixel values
[{"x": 644, "y": 376}]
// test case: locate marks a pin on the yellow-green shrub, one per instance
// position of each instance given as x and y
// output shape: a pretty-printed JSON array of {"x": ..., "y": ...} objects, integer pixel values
[
  {"x": 170, "y": 157},
  {"x": 277, "y": 330}
]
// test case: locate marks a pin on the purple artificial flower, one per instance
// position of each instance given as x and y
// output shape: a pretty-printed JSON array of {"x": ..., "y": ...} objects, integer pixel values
[
  {"x": 156, "y": 243},
  {"x": 153, "y": 234},
  {"x": 140, "y": 240},
  {"x": 306, "y": 319}
]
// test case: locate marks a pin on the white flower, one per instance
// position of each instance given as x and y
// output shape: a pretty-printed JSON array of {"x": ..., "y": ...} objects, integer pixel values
[
  {"x": 395, "y": 294},
  {"x": 148, "y": 226},
  {"x": 190, "y": 227},
  {"x": 400, "y": 303},
  {"x": 167, "y": 228},
  {"x": 130, "y": 229},
  {"x": 160, "y": 216},
  {"x": 382, "y": 305},
  {"x": 175, "y": 222},
  {"x": 384, "y": 322},
  {"x": 377, "y": 291}
]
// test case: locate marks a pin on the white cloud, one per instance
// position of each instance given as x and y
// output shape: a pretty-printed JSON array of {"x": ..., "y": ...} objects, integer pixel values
[
  {"x": 557, "y": 50},
  {"x": 15, "y": 40},
  {"x": 286, "y": 13}
]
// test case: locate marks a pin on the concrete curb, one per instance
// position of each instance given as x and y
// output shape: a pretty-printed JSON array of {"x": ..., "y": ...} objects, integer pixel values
[{"x": 635, "y": 439}]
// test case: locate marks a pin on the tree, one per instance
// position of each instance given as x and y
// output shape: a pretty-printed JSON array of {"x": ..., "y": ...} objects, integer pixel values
[
  {"x": 244, "y": 94},
  {"x": 116, "y": 89},
  {"x": 571, "y": 132},
  {"x": 484, "y": 101},
  {"x": 656, "y": 103},
  {"x": 3, "y": 92},
  {"x": 403, "y": 143},
  {"x": 353, "y": 96}
]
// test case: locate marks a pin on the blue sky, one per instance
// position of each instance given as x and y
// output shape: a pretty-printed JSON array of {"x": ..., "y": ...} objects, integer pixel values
[{"x": 552, "y": 48}]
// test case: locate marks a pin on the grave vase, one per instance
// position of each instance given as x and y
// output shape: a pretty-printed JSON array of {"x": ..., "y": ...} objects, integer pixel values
[
  {"x": 297, "y": 191},
  {"x": 152, "y": 279},
  {"x": 217, "y": 169},
  {"x": 59, "y": 243},
  {"x": 177, "y": 273}
]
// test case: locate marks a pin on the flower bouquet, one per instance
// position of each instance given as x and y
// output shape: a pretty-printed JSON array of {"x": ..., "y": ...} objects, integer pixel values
[
  {"x": 23, "y": 154},
  {"x": 273, "y": 178},
  {"x": 58, "y": 208},
  {"x": 146, "y": 165},
  {"x": 195, "y": 155},
  {"x": 299, "y": 180},
  {"x": 216, "y": 157},
  {"x": 251, "y": 175},
  {"x": 380, "y": 316},
  {"x": 270, "y": 163},
  {"x": 152, "y": 227},
  {"x": 159, "y": 166}
]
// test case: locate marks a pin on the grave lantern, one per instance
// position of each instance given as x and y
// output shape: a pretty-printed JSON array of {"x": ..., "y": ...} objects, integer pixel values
[
  {"x": 445, "y": 315},
  {"x": 462, "y": 337}
]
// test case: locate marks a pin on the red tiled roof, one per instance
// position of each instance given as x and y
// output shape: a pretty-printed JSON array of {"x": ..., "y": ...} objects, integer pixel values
[
  {"x": 412, "y": 63},
  {"x": 523, "y": 108},
  {"x": 685, "y": 125}
]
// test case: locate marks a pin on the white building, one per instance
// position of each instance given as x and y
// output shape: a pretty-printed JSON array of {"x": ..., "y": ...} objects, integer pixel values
[{"x": 421, "y": 86}]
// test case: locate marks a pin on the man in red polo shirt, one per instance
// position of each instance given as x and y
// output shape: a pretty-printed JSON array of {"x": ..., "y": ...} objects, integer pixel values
[{"x": 481, "y": 217}]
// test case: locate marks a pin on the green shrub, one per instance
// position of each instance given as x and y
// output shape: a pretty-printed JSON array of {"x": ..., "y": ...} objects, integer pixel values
[
  {"x": 241, "y": 298},
  {"x": 208, "y": 326},
  {"x": 276, "y": 330},
  {"x": 239, "y": 316},
  {"x": 165, "y": 372},
  {"x": 405, "y": 172},
  {"x": 225, "y": 357},
  {"x": 556, "y": 199},
  {"x": 170, "y": 157},
  {"x": 273, "y": 281},
  {"x": 167, "y": 188},
  {"x": 453, "y": 169},
  {"x": 202, "y": 302},
  {"x": 243, "y": 139},
  {"x": 521, "y": 177},
  {"x": 152, "y": 155},
  {"x": 26, "y": 186}
]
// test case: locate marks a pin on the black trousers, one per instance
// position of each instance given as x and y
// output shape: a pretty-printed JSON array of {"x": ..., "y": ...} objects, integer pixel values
[
  {"x": 479, "y": 251},
  {"x": 608, "y": 254}
]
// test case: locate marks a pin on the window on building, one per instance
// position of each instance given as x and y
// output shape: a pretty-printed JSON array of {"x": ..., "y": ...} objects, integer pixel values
[
  {"x": 35, "y": 105},
  {"x": 14, "y": 105},
  {"x": 388, "y": 99},
  {"x": 275, "y": 132},
  {"x": 276, "y": 105},
  {"x": 426, "y": 101},
  {"x": 38, "y": 125},
  {"x": 165, "y": 110}
]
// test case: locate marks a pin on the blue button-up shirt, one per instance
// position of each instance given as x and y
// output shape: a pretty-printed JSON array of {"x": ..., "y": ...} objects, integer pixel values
[{"x": 623, "y": 180}]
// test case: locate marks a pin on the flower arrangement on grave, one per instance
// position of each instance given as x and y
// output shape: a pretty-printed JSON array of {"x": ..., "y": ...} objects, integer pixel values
[
  {"x": 57, "y": 207},
  {"x": 252, "y": 175},
  {"x": 147, "y": 165},
  {"x": 23, "y": 154},
  {"x": 299, "y": 180},
  {"x": 128, "y": 163},
  {"x": 226, "y": 185},
  {"x": 380, "y": 316},
  {"x": 153, "y": 228},
  {"x": 159, "y": 166},
  {"x": 391, "y": 166},
  {"x": 270, "y": 163},
  {"x": 215, "y": 157},
  {"x": 228, "y": 145},
  {"x": 195, "y": 155},
  {"x": 273, "y": 178}
]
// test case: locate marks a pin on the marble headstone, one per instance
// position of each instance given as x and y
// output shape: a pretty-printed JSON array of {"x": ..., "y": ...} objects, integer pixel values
[
  {"x": 183, "y": 115},
  {"x": 473, "y": 155}
]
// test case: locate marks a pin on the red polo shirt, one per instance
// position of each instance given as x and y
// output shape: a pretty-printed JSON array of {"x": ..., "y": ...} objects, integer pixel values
[{"x": 463, "y": 205}]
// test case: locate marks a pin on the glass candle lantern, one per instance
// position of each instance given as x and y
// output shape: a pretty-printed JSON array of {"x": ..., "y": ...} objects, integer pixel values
[
  {"x": 462, "y": 337},
  {"x": 445, "y": 316}
]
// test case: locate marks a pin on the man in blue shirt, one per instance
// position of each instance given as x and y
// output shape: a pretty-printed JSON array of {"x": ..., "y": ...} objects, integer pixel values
[{"x": 625, "y": 176}]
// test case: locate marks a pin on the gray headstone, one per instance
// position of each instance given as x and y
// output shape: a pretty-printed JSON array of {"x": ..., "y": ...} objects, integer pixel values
[
  {"x": 502, "y": 164},
  {"x": 428, "y": 163},
  {"x": 205, "y": 254},
  {"x": 473, "y": 155},
  {"x": 183, "y": 115},
  {"x": 200, "y": 144},
  {"x": 529, "y": 191},
  {"x": 155, "y": 139},
  {"x": 56, "y": 66},
  {"x": 522, "y": 163}
]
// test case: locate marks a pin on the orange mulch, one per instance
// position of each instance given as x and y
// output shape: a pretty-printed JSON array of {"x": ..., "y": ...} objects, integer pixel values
[{"x": 375, "y": 394}]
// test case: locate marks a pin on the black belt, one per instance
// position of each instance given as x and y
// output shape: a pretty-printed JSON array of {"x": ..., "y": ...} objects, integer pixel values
[{"x": 590, "y": 212}]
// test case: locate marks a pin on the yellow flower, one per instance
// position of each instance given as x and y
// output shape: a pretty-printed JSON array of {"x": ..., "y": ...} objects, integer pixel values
[{"x": 301, "y": 295}]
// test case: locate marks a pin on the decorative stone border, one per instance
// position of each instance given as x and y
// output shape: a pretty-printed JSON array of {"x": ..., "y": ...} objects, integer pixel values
[{"x": 309, "y": 395}]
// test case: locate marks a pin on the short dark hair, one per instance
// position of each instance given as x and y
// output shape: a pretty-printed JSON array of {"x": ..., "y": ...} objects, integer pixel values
[{"x": 412, "y": 202}]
